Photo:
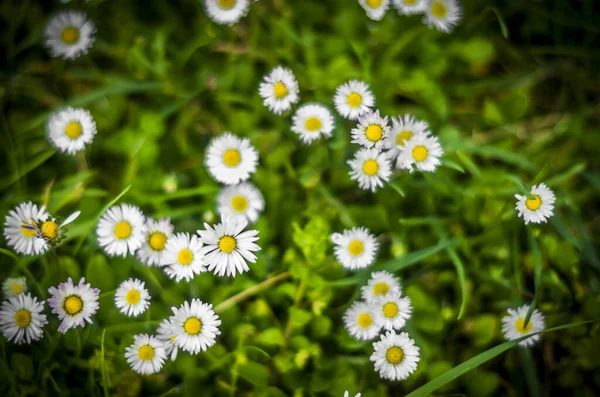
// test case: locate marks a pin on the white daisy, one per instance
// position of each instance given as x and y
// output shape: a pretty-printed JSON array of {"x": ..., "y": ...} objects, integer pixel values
[
  {"x": 279, "y": 89},
  {"x": 166, "y": 332},
  {"x": 442, "y": 14},
  {"x": 196, "y": 326},
  {"x": 157, "y": 234},
  {"x": 146, "y": 355},
  {"x": 347, "y": 395},
  {"x": 371, "y": 131},
  {"x": 226, "y": 12},
  {"x": 359, "y": 321},
  {"x": 375, "y": 9},
  {"x": 539, "y": 208},
  {"x": 21, "y": 319},
  {"x": 352, "y": 99},
  {"x": 381, "y": 284},
  {"x": 74, "y": 304},
  {"x": 69, "y": 34},
  {"x": 121, "y": 230},
  {"x": 231, "y": 160},
  {"x": 243, "y": 201},
  {"x": 71, "y": 129},
  {"x": 53, "y": 232},
  {"x": 369, "y": 167},
  {"x": 513, "y": 325},
  {"x": 14, "y": 286},
  {"x": 403, "y": 129},
  {"x": 312, "y": 121},
  {"x": 410, "y": 7},
  {"x": 395, "y": 356},
  {"x": 132, "y": 298},
  {"x": 183, "y": 257},
  {"x": 21, "y": 228},
  {"x": 355, "y": 248},
  {"x": 421, "y": 151},
  {"x": 392, "y": 311},
  {"x": 227, "y": 247}
]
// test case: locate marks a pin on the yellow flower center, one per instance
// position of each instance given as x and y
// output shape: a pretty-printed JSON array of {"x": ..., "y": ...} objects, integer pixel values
[
  {"x": 185, "y": 257},
  {"x": 29, "y": 232},
  {"x": 157, "y": 241},
  {"x": 70, "y": 35},
  {"x": 122, "y": 230},
  {"x": 370, "y": 167},
  {"x": 374, "y": 3},
  {"x": 390, "y": 310},
  {"x": 534, "y": 204},
  {"x": 172, "y": 338},
  {"x": 280, "y": 90},
  {"x": 381, "y": 288},
  {"x": 133, "y": 296},
  {"x": 520, "y": 326},
  {"x": 356, "y": 248},
  {"x": 374, "y": 133},
  {"x": 232, "y": 157},
  {"x": 17, "y": 288},
  {"x": 227, "y": 4},
  {"x": 419, "y": 153},
  {"x": 22, "y": 318},
  {"x": 394, "y": 355},
  {"x": 313, "y": 124},
  {"x": 227, "y": 244},
  {"x": 73, "y": 130},
  {"x": 364, "y": 320},
  {"x": 73, "y": 304},
  {"x": 239, "y": 203},
  {"x": 192, "y": 326},
  {"x": 410, "y": 2},
  {"x": 403, "y": 136},
  {"x": 438, "y": 9},
  {"x": 354, "y": 100},
  {"x": 49, "y": 229},
  {"x": 146, "y": 353}
]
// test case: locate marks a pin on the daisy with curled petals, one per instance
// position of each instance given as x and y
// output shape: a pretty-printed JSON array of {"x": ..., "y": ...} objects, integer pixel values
[
  {"x": 146, "y": 355},
  {"x": 183, "y": 257},
  {"x": 403, "y": 129},
  {"x": 312, "y": 121},
  {"x": 227, "y": 247},
  {"x": 226, "y": 12},
  {"x": 371, "y": 131},
  {"x": 442, "y": 14},
  {"x": 121, "y": 230},
  {"x": 69, "y": 34},
  {"x": 513, "y": 325},
  {"x": 14, "y": 286},
  {"x": 231, "y": 160},
  {"x": 21, "y": 319},
  {"x": 196, "y": 326},
  {"x": 395, "y": 356},
  {"x": 21, "y": 229},
  {"x": 243, "y": 202},
  {"x": 410, "y": 7},
  {"x": 359, "y": 321},
  {"x": 74, "y": 304},
  {"x": 132, "y": 298},
  {"x": 380, "y": 285},
  {"x": 369, "y": 167},
  {"x": 538, "y": 208},
  {"x": 156, "y": 236},
  {"x": 166, "y": 332},
  {"x": 71, "y": 129},
  {"x": 355, "y": 248},
  {"x": 279, "y": 90},
  {"x": 421, "y": 152},
  {"x": 352, "y": 99},
  {"x": 392, "y": 311},
  {"x": 375, "y": 9}
]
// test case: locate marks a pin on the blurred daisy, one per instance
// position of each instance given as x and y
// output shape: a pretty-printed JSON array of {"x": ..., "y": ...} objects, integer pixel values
[
  {"x": 409, "y": 7},
  {"x": 196, "y": 326},
  {"x": 21, "y": 229},
  {"x": 380, "y": 285},
  {"x": 279, "y": 89},
  {"x": 312, "y": 121},
  {"x": 369, "y": 168},
  {"x": 71, "y": 129},
  {"x": 14, "y": 286},
  {"x": 421, "y": 152},
  {"x": 132, "y": 298},
  {"x": 395, "y": 356},
  {"x": 346, "y": 394},
  {"x": 355, "y": 248},
  {"x": 442, "y": 14},
  {"x": 352, "y": 99},
  {"x": 371, "y": 131},
  {"x": 539, "y": 208},
  {"x": 121, "y": 230},
  {"x": 146, "y": 355},
  {"x": 227, "y": 247},
  {"x": 231, "y": 160},
  {"x": 513, "y": 325},
  {"x": 69, "y": 34},
  {"x": 21, "y": 319},
  {"x": 375, "y": 9},
  {"x": 166, "y": 332},
  {"x": 359, "y": 321},
  {"x": 157, "y": 234},
  {"x": 74, "y": 304},
  {"x": 183, "y": 257},
  {"x": 226, "y": 12},
  {"x": 392, "y": 311},
  {"x": 243, "y": 202},
  {"x": 403, "y": 129}
]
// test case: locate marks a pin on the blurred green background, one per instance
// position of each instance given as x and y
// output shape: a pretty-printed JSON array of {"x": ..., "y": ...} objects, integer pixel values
[{"x": 512, "y": 94}]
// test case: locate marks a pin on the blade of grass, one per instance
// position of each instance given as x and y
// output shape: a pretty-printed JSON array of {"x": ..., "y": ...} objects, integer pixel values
[
  {"x": 529, "y": 372},
  {"x": 535, "y": 247},
  {"x": 417, "y": 256},
  {"x": 458, "y": 265},
  {"x": 396, "y": 188},
  {"x": 30, "y": 166},
  {"x": 103, "y": 365}
]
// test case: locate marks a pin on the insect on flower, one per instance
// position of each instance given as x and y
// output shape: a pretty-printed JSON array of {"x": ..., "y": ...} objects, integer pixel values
[{"x": 52, "y": 231}]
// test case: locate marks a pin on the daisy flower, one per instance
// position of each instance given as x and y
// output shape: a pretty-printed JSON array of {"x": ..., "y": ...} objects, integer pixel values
[
  {"x": 359, "y": 321},
  {"x": 369, "y": 168},
  {"x": 21, "y": 319},
  {"x": 226, "y": 12},
  {"x": 166, "y": 332},
  {"x": 146, "y": 355},
  {"x": 243, "y": 202},
  {"x": 132, "y": 298},
  {"x": 421, "y": 151},
  {"x": 442, "y": 14},
  {"x": 196, "y": 326},
  {"x": 380, "y": 285},
  {"x": 403, "y": 129},
  {"x": 355, "y": 248},
  {"x": 312, "y": 121},
  {"x": 14, "y": 286},
  {"x": 157, "y": 234},
  {"x": 395, "y": 356},
  {"x": 121, "y": 230},
  {"x": 391, "y": 312},
  {"x": 54, "y": 232},
  {"x": 230, "y": 159},
  {"x": 21, "y": 228},
  {"x": 69, "y": 34},
  {"x": 279, "y": 89},
  {"x": 183, "y": 257},
  {"x": 352, "y": 99},
  {"x": 513, "y": 325},
  {"x": 410, "y": 7},
  {"x": 371, "y": 131},
  {"x": 539, "y": 208},
  {"x": 74, "y": 304},
  {"x": 71, "y": 129},
  {"x": 375, "y": 9}
]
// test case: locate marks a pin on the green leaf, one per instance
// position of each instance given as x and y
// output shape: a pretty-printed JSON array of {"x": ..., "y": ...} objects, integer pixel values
[
  {"x": 255, "y": 373},
  {"x": 417, "y": 256}
]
